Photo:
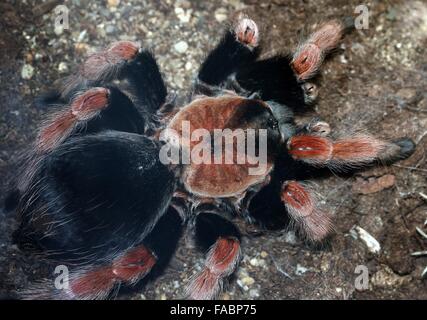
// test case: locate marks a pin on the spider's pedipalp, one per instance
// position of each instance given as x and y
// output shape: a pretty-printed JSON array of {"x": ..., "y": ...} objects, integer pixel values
[
  {"x": 311, "y": 53},
  {"x": 351, "y": 152},
  {"x": 303, "y": 208},
  {"x": 220, "y": 238}
]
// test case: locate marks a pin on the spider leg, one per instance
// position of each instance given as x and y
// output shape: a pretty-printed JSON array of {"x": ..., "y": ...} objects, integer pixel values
[
  {"x": 273, "y": 80},
  {"x": 283, "y": 78},
  {"x": 239, "y": 46},
  {"x": 302, "y": 206},
  {"x": 146, "y": 82},
  {"x": 350, "y": 152},
  {"x": 220, "y": 239},
  {"x": 90, "y": 111},
  {"x": 129, "y": 267},
  {"x": 122, "y": 60},
  {"x": 96, "y": 282},
  {"x": 310, "y": 54}
]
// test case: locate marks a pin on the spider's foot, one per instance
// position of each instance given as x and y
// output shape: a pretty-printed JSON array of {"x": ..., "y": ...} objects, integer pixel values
[
  {"x": 318, "y": 127},
  {"x": 247, "y": 32},
  {"x": 310, "y": 92},
  {"x": 302, "y": 206},
  {"x": 310, "y": 54},
  {"x": 221, "y": 261},
  {"x": 102, "y": 63}
]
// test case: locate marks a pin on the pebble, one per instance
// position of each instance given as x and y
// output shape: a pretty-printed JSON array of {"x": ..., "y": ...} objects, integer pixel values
[
  {"x": 183, "y": 15},
  {"x": 181, "y": 47},
  {"x": 27, "y": 71},
  {"x": 371, "y": 243},
  {"x": 264, "y": 254},
  {"x": 221, "y": 14},
  {"x": 257, "y": 262},
  {"x": 300, "y": 270},
  {"x": 59, "y": 29},
  {"x": 62, "y": 67},
  {"x": 188, "y": 66},
  {"x": 113, "y": 3},
  {"x": 248, "y": 281},
  {"x": 253, "y": 293},
  {"x": 109, "y": 29}
]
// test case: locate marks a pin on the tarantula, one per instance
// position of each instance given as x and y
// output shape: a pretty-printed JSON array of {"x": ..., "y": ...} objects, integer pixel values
[{"x": 96, "y": 197}]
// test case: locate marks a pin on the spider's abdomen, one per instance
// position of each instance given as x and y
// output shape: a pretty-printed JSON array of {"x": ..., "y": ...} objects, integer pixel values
[{"x": 218, "y": 134}]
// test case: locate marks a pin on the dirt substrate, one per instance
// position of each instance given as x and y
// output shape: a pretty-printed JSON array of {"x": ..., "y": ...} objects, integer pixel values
[{"x": 376, "y": 82}]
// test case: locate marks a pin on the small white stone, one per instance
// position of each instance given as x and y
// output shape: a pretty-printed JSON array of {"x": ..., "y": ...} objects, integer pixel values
[
  {"x": 81, "y": 36},
  {"x": 27, "y": 71},
  {"x": 371, "y": 243},
  {"x": 62, "y": 67},
  {"x": 248, "y": 281},
  {"x": 183, "y": 15},
  {"x": 254, "y": 262},
  {"x": 181, "y": 47},
  {"x": 59, "y": 29},
  {"x": 113, "y": 3},
  {"x": 221, "y": 14},
  {"x": 188, "y": 66},
  {"x": 300, "y": 270},
  {"x": 253, "y": 293}
]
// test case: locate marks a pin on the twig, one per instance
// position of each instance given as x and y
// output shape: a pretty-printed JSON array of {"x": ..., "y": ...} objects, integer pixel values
[
  {"x": 421, "y": 232},
  {"x": 409, "y": 168},
  {"x": 279, "y": 268}
]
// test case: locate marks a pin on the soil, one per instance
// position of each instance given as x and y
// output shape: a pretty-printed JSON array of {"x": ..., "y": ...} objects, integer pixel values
[{"x": 376, "y": 82}]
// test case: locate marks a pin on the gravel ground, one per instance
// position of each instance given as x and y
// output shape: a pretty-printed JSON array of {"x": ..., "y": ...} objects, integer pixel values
[{"x": 377, "y": 82}]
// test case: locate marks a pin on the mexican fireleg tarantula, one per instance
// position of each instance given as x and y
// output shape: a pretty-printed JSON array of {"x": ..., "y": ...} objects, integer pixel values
[{"x": 94, "y": 195}]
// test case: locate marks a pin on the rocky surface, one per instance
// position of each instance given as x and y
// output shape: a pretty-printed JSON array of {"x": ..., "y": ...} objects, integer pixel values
[{"x": 376, "y": 82}]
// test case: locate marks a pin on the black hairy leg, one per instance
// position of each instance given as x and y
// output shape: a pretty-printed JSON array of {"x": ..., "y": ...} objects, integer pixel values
[
  {"x": 349, "y": 152},
  {"x": 219, "y": 239},
  {"x": 239, "y": 46},
  {"x": 125, "y": 61},
  {"x": 272, "y": 79}
]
